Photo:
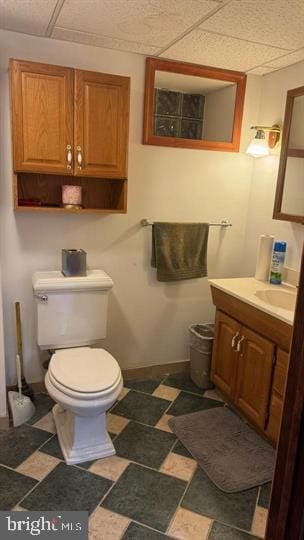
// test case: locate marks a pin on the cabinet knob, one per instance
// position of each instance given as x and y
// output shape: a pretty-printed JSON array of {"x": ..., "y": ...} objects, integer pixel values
[
  {"x": 79, "y": 158},
  {"x": 233, "y": 341},
  {"x": 69, "y": 156}
]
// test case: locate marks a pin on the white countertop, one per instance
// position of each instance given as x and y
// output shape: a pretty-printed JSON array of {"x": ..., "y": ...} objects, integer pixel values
[{"x": 246, "y": 289}]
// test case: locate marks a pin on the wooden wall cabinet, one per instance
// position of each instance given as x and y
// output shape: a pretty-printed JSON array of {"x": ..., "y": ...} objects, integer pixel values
[
  {"x": 73, "y": 124},
  {"x": 248, "y": 364},
  {"x": 101, "y": 124}
]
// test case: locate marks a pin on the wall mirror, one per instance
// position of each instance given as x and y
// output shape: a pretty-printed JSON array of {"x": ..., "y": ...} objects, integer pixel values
[
  {"x": 193, "y": 106},
  {"x": 289, "y": 199}
]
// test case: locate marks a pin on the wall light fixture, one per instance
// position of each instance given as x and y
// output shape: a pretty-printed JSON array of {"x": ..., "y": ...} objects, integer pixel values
[{"x": 260, "y": 146}]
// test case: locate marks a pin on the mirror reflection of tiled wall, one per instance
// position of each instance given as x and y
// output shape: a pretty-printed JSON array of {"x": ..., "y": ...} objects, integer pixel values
[{"x": 177, "y": 114}]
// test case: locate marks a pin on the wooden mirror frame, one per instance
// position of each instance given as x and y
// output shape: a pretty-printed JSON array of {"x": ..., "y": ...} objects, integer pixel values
[
  {"x": 277, "y": 212},
  {"x": 156, "y": 64}
]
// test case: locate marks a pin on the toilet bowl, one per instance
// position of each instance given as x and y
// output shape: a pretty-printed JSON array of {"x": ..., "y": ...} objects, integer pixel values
[{"x": 85, "y": 382}]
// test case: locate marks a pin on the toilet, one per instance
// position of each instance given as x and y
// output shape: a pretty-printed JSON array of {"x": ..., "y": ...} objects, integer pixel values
[{"x": 83, "y": 381}]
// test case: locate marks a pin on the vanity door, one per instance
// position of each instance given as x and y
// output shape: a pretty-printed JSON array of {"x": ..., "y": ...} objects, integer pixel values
[
  {"x": 277, "y": 395},
  {"x": 254, "y": 374},
  {"x": 224, "y": 358}
]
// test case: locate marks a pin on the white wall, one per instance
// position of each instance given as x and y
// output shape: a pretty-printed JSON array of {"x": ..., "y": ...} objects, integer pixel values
[
  {"x": 259, "y": 221},
  {"x": 293, "y": 194},
  {"x": 219, "y": 114},
  {"x": 148, "y": 320},
  {"x": 296, "y": 135}
]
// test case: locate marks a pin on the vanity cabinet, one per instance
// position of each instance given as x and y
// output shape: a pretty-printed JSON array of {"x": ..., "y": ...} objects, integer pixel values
[
  {"x": 254, "y": 372},
  {"x": 73, "y": 124},
  {"x": 242, "y": 367},
  {"x": 250, "y": 361},
  {"x": 277, "y": 395},
  {"x": 225, "y": 356}
]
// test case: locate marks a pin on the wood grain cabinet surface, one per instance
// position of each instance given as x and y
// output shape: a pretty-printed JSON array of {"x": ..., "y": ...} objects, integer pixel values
[
  {"x": 101, "y": 124},
  {"x": 69, "y": 123},
  {"x": 255, "y": 361},
  {"x": 42, "y": 116},
  {"x": 251, "y": 371},
  {"x": 277, "y": 395},
  {"x": 224, "y": 360}
]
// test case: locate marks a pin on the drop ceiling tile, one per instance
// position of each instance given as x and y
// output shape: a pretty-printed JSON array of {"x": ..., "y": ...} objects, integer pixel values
[
  {"x": 103, "y": 41},
  {"x": 220, "y": 51},
  {"x": 288, "y": 59},
  {"x": 153, "y": 22},
  {"x": 27, "y": 16},
  {"x": 261, "y": 70},
  {"x": 278, "y": 23}
]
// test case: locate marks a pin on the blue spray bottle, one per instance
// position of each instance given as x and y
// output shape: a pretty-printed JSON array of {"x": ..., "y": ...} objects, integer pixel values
[{"x": 277, "y": 263}]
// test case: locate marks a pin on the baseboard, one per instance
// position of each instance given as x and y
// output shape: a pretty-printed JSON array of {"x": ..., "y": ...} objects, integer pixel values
[
  {"x": 148, "y": 372},
  {"x": 4, "y": 422},
  {"x": 37, "y": 387}
]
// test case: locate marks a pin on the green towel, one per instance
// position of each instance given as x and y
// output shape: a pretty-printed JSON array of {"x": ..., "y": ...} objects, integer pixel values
[{"x": 179, "y": 250}]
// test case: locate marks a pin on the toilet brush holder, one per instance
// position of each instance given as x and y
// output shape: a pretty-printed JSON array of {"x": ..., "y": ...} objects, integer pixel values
[{"x": 74, "y": 262}]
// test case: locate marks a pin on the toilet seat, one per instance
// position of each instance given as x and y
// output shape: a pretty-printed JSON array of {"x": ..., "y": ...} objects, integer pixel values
[{"x": 84, "y": 373}]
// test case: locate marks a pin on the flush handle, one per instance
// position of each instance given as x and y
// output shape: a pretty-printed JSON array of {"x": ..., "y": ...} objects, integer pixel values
[{"x": 42, "y": 297}]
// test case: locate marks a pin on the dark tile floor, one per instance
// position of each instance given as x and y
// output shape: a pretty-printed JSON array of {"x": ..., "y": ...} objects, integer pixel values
[{"x": 152, "y": 489}]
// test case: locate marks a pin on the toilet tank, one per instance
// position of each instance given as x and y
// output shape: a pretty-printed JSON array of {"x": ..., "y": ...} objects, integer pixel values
[{"x": 71, "y": 311}]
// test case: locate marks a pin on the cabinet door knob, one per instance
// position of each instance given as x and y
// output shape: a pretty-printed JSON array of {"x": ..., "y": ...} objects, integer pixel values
[
  {"x": 69, "y": 156},
  {"x": 79, "y": 157},
  {"x": 238, "y": 347},
  {"x": 233, "y": 341}
]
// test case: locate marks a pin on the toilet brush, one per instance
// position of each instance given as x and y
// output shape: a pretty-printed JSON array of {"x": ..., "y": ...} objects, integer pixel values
[
  {"x": 26, "y": 389},
  {"x": 21, "y": 406}
]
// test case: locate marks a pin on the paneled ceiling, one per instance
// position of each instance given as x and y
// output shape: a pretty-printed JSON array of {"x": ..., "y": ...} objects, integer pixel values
[{"x": 256, "y": 36}]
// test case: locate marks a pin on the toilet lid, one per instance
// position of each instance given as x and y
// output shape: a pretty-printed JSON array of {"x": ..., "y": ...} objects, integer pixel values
[{"x": 84, "y": 369}]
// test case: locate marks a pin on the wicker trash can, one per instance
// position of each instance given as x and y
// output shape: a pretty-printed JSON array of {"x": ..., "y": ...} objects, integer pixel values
[{"x": 201, "y": 342}]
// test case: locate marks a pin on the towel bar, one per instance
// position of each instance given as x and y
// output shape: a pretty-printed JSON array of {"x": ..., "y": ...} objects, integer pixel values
[{"x": 146, "y": 222}]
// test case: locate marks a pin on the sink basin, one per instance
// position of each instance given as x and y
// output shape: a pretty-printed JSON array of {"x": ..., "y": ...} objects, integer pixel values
[{"x": 279, "y": 298}]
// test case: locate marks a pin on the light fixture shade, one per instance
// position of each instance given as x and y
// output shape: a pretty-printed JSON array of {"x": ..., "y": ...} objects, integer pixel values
[{"x": 258, "y": 148}]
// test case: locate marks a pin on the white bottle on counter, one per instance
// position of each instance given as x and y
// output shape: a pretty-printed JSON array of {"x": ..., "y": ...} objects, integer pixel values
[{"x": 263, "y": 259}]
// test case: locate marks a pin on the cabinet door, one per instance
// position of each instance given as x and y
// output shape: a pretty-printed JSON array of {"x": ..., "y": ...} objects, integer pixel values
[
  {"x": 224, "y": 357},
  {"x": 277, "y": 395},
  {"x": 101, "y": 124},
  {"x": 254, "y": 376},
  {"x": 42, "y": 107}
]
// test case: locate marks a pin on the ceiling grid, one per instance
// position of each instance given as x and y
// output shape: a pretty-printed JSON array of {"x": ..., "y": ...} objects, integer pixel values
[{"x": 245, "y": 35}]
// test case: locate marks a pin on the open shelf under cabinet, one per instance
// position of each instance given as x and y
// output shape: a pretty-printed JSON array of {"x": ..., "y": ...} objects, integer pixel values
[{"x": 45, "y": 192}]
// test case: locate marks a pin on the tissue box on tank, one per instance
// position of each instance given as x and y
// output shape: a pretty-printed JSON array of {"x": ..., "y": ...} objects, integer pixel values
[{"x": 73, "y": 262}]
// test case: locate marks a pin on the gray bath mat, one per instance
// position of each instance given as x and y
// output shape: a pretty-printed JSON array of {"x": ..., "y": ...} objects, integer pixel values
[{"x": 232, "y": 454}]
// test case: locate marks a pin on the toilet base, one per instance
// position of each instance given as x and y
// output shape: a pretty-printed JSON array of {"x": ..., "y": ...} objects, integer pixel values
[{"x": 82, "y": 438}]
